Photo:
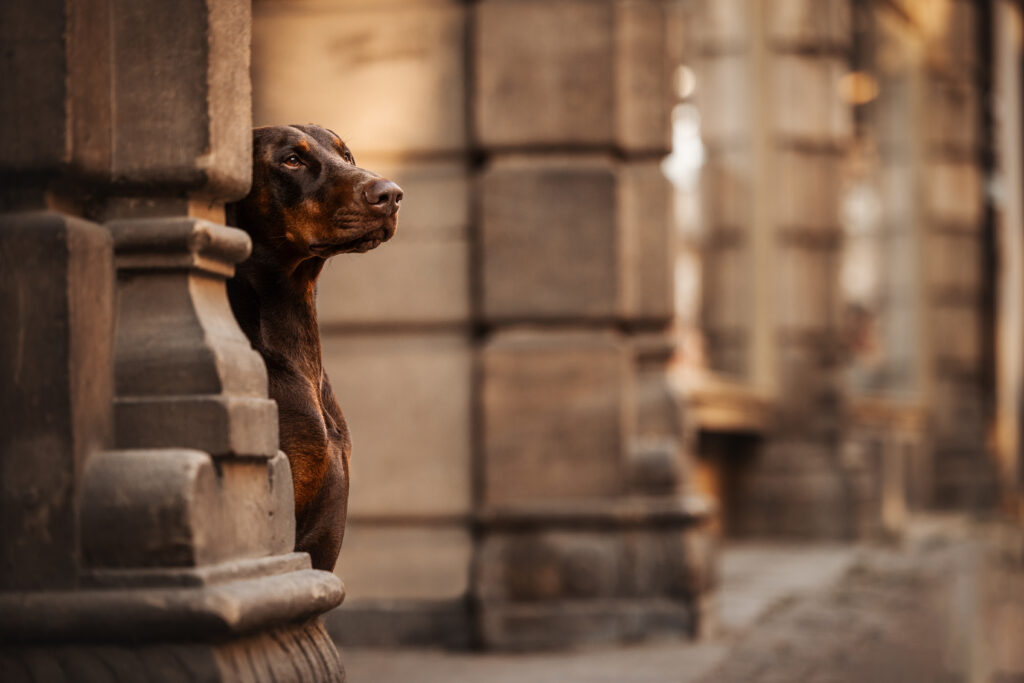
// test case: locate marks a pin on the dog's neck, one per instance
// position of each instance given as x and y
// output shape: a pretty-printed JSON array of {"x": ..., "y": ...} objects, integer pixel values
[{"x": 275, "y": 304}]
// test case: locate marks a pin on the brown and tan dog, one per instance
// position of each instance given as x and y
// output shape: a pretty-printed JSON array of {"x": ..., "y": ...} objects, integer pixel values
[{"x": 309, "y": 201}]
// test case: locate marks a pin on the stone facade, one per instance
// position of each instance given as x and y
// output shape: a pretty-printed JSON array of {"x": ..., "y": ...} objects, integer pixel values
[
  {"x": 844, "y": 252},
  {"x": 148, "y": 514}
]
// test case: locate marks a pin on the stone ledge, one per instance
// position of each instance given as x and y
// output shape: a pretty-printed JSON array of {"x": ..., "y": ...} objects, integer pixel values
[
  {"x": 683, "y": 510},
  {"x": 197, "y": 576},
  {"x": 220, "y": 425},
  {"x": 151, "y": 614},
  {"x": 178, "y": 243}
]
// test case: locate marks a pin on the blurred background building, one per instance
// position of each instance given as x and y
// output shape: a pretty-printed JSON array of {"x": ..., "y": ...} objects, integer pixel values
[{"x": 668, "y": 271}]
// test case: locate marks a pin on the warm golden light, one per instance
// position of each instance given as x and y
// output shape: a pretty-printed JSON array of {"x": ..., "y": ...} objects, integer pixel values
[{"x": 858, "y": 87}]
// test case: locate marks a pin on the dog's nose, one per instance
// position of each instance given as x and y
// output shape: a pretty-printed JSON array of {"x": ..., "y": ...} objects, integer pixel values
[{"x": 382, "y": 193}]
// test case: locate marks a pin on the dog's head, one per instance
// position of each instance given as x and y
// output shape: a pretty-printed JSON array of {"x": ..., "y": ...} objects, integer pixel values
[{"x": 309, "y": 198}]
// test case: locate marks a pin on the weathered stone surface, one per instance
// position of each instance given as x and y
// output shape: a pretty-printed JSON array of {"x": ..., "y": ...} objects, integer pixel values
[
  {"x": 56, "y": 298},
  {"x": 178, "y": 97},
  {"x": 574, "y": 103},
  {"x": 185, "y": 373},
  {"x": 807, "y": 297},
  {"x": 550, "y": 244},
  {"x": 954, "y": 262},
  {"x": 723, "y": 23},
  {"x": 551, "y": 566},
  {"x": 728, "y": 292},
  {"x": 724, "y": 96},
  {"x": 806, "y": 102},
  {"x": 554, "y": 425},
  {"x": 156, "y": 499},
  {"x": 396, "y": 90},
  {"x": 953, "y": 116},
  {"x": 805, "y": 23},
  {"x": 143, "y": 111},
  {"x": 810, "y": 503},
  {"x": 402, "y": 282},
  {"x": 33, "y": 130},
  {"x": 952, "y": 44},
  {"x": 181, "y": 101},
  {"x": 726, "y": 187},
  {"x": 403, "y": 624},
  {"x": 405, "y": 562},
  {"x": 956, "y": 333},
  {"x": 805, "y": 191},
  {"x": 173, "y": 508},
  {"x": 407, "y": 402},
  {"x": 422, "y": 274},
  {"x": 645, "y": 216},
  {"x": 643, "y": 75},
  {"x": 953, "y": 193},
  {"x": 561, "y": 565}
]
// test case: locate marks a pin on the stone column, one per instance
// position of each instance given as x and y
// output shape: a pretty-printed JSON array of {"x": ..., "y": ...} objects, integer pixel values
[
  {"x": 955, "y": 264},
  {"x": 587, "y": 533},
  {"x": 776, "y": 131},
  {"x": 150, "y": 512}
]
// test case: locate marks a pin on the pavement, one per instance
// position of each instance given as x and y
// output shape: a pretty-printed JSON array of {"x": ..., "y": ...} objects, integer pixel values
[{"x": 945, "y": 605}]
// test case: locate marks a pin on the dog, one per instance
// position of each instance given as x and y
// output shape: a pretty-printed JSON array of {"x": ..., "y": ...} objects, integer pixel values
[{"x": 309, "y": 201}]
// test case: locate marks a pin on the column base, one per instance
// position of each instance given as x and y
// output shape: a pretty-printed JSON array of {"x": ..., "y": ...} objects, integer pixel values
[
  {"x": 296, "y": 652},
  {"x": 248, "y": 620}
]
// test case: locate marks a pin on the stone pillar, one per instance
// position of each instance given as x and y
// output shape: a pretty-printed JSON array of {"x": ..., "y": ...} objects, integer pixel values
[
  {"x": 587, "y": 532},
  {"x": 776, "y": 130},
  {"x": 957, "y": 375},
  {"x": 148, "y": 514}
]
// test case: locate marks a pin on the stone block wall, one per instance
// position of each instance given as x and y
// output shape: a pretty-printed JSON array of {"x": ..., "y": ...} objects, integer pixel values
[
  {"x": 396, "y": 322},
  {"x": 490, "y": 357}
]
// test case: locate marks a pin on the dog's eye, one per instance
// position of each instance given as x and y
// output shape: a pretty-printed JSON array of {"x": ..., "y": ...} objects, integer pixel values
[
  {"x": 349, "y": 158},
  {"x": 292, "y": 161}
]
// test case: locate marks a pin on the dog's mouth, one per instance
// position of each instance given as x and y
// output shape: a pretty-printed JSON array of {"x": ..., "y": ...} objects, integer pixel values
[{"x": 358, "y": 245}]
